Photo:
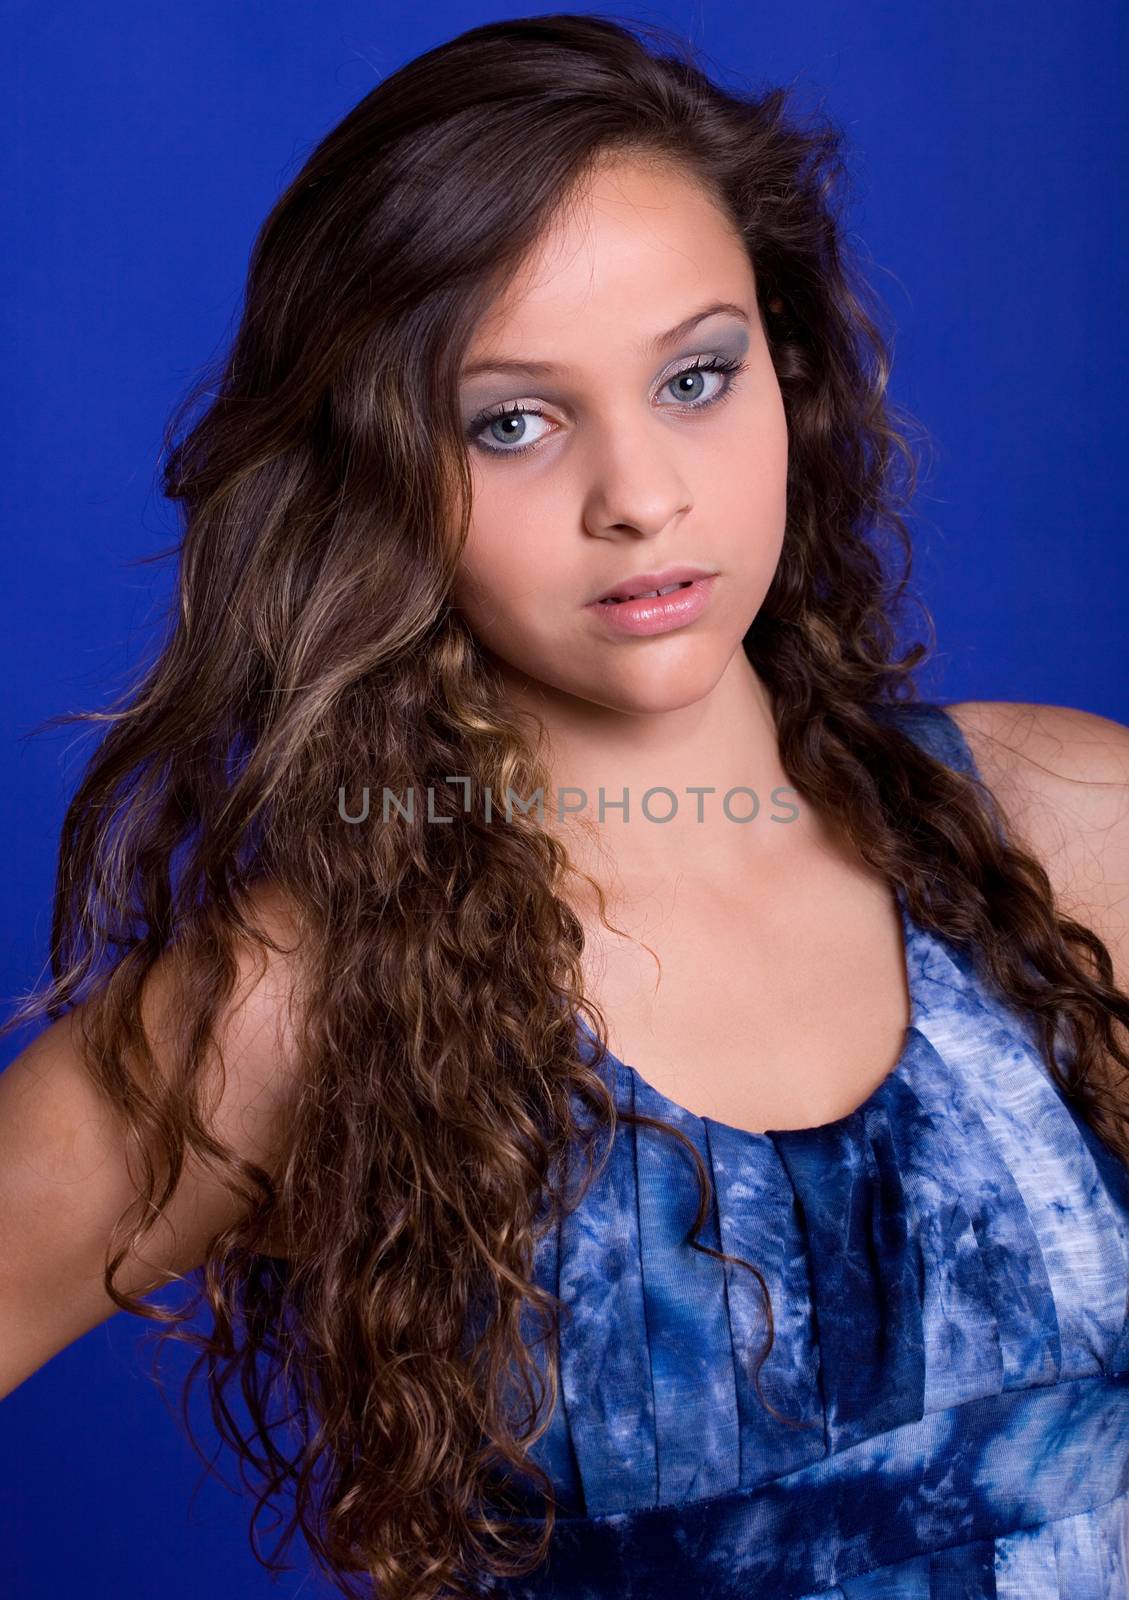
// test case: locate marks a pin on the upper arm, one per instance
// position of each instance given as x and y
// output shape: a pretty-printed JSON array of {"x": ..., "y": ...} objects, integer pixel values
[
  {"x": 63, "y": 1175},
  {"x": 1060, "y": 778}
]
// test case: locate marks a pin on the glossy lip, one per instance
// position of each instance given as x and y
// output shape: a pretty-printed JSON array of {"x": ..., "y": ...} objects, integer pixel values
[
  {"x": 640, "y": 582},
  {"x": 664, "y": 613}
]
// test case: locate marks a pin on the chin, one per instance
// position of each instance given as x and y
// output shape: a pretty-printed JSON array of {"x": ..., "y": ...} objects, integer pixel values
[
  {"x": 630, "y": 680},
  {"x": 648, "y": 694}
]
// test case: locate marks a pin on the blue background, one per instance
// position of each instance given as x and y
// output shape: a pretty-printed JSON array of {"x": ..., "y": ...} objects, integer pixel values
[{"x": 145, "y": 143}]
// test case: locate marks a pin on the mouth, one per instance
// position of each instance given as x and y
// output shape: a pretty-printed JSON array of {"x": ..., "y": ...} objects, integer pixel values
[
  {"x": 644, "y": 594},
  {"x": 652, "y": 585},
  {"x": 661, "y": 608}
]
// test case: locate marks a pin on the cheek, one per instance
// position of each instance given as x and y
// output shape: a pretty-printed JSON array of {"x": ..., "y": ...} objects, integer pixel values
[
  {"x": 514, "y": 546},
  {"x": 498, "y": 569},
  {"x": 750, "y": 470},
  {"x": 744, "y": 493},
  {"x": 760, "y": 432}
]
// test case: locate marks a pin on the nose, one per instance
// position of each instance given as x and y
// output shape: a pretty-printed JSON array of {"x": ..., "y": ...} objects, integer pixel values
[{"x": 635, "y": 484}]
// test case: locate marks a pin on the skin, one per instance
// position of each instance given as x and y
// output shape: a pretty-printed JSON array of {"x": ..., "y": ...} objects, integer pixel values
[
  {"x": 624, "y": 474},
  {"x": 629, "y": 471}
]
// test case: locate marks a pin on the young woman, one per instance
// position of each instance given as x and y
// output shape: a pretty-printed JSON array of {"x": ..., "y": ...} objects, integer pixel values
[{"x": 643, "y": 1094}]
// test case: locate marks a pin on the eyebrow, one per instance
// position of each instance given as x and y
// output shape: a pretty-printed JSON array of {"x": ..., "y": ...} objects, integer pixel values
[{"x": 545, "y": 369}]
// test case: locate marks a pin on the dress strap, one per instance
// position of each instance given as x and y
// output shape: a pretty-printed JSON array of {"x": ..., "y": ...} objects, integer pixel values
[{"x": 930, "y": 726}]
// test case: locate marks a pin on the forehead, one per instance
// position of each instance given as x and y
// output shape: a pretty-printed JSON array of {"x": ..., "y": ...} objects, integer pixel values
[{"x": 635, "y": 249}]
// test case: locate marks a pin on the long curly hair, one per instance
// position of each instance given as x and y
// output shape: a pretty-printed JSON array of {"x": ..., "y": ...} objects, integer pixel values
[{"x": 376, "y": 1301}]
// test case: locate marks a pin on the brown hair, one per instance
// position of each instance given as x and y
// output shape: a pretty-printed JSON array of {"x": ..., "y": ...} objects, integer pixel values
[{"x": 312, "y": 639}]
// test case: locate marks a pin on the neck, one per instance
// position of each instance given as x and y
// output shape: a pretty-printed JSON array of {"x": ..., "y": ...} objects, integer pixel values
[{"x": 724, "y": 741}]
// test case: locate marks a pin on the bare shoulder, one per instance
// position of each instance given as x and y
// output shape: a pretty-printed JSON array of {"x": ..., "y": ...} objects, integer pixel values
[
  {"x": 65, "y": 1172},
  {"x": 1060, "y": 778}
]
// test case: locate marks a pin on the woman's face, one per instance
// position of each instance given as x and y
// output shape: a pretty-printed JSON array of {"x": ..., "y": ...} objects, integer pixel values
[{"x": 599, "y": 453}]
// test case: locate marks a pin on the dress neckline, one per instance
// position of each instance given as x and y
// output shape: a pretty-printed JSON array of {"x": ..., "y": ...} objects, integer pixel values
[{"x": 911, "y": 967}]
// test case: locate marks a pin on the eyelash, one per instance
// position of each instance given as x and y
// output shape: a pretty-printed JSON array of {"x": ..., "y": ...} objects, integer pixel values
[{"x": 732, "y": 370}]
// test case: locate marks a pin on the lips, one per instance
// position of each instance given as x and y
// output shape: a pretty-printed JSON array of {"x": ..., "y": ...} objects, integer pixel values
[
  {"x": 647, "y": 594},
  {"x": 648, "y": 585}
]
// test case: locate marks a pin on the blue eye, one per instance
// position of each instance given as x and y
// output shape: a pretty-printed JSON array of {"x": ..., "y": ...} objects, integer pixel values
[
  {"x": 694, "y": 375},
  {"x": 504, "y": 421},
  {"x": 510, "y": 418}
]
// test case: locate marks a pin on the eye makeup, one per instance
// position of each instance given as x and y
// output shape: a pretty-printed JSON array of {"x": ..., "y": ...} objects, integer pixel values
[{"x": 728, "y": 366}]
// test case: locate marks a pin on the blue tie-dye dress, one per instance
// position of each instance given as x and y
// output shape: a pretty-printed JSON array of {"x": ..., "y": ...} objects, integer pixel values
[{"x": 948, "y": 1268}]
